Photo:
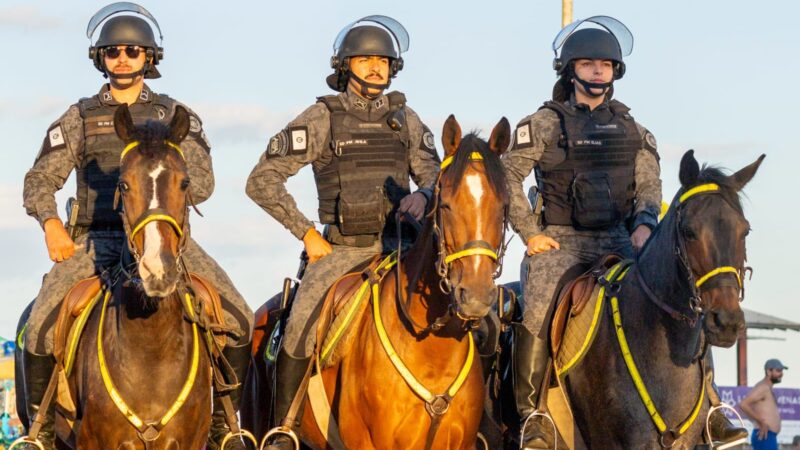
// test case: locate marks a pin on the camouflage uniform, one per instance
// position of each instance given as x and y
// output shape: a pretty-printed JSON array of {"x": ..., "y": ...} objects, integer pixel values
[
  {"x": 99, "y": 249},
  {"x": 266, "y": 186},
  {"x": 541, "y": 273}
]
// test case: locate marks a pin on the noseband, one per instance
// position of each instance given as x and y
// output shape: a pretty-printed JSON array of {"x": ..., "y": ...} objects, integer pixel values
[{"x": 153, "y": 214}]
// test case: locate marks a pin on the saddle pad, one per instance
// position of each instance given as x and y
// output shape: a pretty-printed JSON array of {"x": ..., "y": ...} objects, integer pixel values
[
  {"x": 72, "y": 316},
  {"x": 349, "y": 295},
  {"x": 579, "y": 332}
]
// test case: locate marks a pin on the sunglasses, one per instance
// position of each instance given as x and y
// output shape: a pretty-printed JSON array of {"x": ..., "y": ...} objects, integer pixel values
[{"x": 132, "y": 51}]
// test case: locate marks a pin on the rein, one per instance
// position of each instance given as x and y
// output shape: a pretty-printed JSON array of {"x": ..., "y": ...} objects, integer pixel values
[
  {"x": 611, "y": 283},
  {"x": 696, "y": 285}
]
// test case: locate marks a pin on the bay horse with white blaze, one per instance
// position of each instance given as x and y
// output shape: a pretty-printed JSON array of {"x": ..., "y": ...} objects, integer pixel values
[{"x": 412, "y": 379}]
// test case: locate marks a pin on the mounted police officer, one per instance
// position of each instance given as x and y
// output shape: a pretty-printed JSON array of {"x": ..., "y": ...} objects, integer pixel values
[
  {"x": 83, "y": 139},
  {"x": 363, "y": 145},
  {"x": 599, "y": 191}
]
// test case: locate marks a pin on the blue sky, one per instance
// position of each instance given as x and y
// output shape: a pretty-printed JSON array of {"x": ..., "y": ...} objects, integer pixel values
[{"x": 714, "y": 76}]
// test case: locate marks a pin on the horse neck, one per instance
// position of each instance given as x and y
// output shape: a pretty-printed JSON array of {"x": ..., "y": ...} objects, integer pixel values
[
  {"x": 660, "y": 267},
  {"x": 148, "y": 324},
  {"x": 420, "y": 280}
]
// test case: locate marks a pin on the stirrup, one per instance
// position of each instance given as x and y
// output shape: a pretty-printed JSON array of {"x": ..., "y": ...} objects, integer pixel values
[
  {"x": 549, "y": 419},
  {"x": 282, "y": 429},
  {"x": 728, "y": 445},
  {"x": 241, "y": 433},
  {"x": 26, "y": 440}
]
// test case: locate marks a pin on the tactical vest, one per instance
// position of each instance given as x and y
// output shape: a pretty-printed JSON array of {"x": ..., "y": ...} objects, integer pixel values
[
  {"x": 367, "y": 174},
  {"x": 587, "y": 177},
  {"x": 98, "y": 173}
]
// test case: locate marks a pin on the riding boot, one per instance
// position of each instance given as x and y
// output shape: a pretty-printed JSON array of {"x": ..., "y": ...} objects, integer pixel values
[
  {"x": 724, "y": 434},
  {"x": 239, "y": 359},
  {"x": 290, "y": 372},
  {"x": 530, "y": 364},
  {"x": 38, "y": 370}
]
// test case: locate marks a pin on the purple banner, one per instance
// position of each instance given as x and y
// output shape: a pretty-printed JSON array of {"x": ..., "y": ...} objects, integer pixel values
[{"x": 788, "y": 400}]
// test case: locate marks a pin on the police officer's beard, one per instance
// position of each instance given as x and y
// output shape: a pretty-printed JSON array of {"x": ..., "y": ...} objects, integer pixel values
[
  {"x": 775, "y": 380},
  {"x": 125, "y": 80},
  {"x": 366, "y": 86}
]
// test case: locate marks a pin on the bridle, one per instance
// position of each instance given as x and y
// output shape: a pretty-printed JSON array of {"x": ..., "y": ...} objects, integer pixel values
[
  {"x": 445, "y": 260},
  {"x": 154, "y": 214},
  {"x": 697, "y": 284}
]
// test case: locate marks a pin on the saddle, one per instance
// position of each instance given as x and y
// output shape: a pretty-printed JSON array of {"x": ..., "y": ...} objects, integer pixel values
[{"x": 572, "y": 329}]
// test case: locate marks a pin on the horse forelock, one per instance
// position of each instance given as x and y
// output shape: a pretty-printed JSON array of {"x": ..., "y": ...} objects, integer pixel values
[
  {"x": 493, "y": 168},
  {"x": 718, "y": 175}
]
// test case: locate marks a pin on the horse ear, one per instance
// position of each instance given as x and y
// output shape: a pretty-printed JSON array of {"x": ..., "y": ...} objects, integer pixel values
[
  {"x": 690, "y": 169},
  {"x": 743, "y": 176},
  {"x": 451, "y": 136},
  {"x": 501, "y": 137},
  {"x": 179, "y": 126},
  {"x": 123, "y": 123}
]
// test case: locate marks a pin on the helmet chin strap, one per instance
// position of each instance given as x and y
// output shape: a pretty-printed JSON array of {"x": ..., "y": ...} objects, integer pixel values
[
  {"x": 366, "y": 85},
  {"x": 123, "y": 76},
  {"x": 587, "y": 86}
]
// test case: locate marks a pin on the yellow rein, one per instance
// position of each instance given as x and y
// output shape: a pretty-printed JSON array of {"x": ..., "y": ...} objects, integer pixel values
[
  {"x": 409, "y": 378},
  {"x": 126, "y": 411},
  {"x": 701, "y": 189},
  {"x": 613, "y": 276}
]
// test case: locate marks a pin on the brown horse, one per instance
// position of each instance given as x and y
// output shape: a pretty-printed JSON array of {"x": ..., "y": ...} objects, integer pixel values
[
  {"x": 447, "y": 281},
  {"x": 141, "y": 377}
]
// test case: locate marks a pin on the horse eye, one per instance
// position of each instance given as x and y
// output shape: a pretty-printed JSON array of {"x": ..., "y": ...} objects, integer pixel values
[
  {"x": 185, "y": 184},
  {"x": 123, "y": 186},
  {"x": 688, "y": 234}
]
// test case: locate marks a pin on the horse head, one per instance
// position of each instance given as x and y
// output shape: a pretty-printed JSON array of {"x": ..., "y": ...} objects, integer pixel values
[
  {"x": 470, "y": 216},
  {"x": 711, "y": 230},
  {"x": 154, "y": 190}
]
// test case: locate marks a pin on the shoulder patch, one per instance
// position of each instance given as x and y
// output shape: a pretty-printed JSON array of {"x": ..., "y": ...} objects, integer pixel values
[
  {"x": 278, "y": 145},
  {"x": 54, "y": 140},
  {"x": 298, "y": 139},
  {"x": 194, "y": 124},
  {"x": 522, "y": 138},
  {"x": 427, "y": 142}
]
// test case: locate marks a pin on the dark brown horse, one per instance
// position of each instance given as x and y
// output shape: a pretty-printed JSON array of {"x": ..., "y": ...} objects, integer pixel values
[
  {"x": 641, "y": 383},
  {"x": 141, "y": 377},
  {"x": 446, "y": 279}
]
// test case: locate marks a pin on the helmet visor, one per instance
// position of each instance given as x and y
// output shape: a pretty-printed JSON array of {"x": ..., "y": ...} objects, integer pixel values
[
  {"x": 398, "y": 32},
  {"x": 620, "y": 32},
  {"x": 116, "y": 8}
]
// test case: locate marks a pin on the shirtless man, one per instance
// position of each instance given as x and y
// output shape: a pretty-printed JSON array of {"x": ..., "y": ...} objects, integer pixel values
[{"x": 761, "y": 407}]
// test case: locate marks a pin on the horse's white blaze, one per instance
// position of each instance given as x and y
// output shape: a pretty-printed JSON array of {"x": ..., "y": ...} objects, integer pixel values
[
  {"x": 475, "y": 188},
  {"x": 152, "y": 264}
]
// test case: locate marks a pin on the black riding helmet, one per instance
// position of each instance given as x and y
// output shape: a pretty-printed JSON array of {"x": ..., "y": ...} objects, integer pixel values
[
  {"x": 125, "y": 30},
  {"x": 386, "y": 38}
]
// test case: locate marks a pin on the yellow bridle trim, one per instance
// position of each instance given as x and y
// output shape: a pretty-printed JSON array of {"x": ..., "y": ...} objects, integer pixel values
[
  {"x": 717, "y": 271},
  {"x": 134, "y": 144},
  {"x": 710, "y": 187},
  {"x": 475, "y": 156},
  {"x": 409, "y": 378},
  {"x": 115, "y": 395},
  {"x": 634, "y": 371},
  {"x": 157, "y": 217},
  {"x": 469, "y": 252}
]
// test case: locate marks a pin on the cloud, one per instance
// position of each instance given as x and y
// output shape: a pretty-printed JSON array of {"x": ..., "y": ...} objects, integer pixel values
[
  {"x": 48, "y": 107},
  {"x": 26, "y": 17},
  {"x": 241, "y": 122}
]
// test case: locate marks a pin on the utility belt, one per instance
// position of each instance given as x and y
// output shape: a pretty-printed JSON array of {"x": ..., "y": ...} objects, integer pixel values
[
  {"x": 77, "y": 231},
  {"x": 334, "y": 236}
]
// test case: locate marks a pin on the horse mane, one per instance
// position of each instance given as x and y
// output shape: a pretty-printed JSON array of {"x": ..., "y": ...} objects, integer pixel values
[
  {"x": 718, "y": 175},
  {"x": 495, "y": 174},
  {"x": 152, "y": 136}
]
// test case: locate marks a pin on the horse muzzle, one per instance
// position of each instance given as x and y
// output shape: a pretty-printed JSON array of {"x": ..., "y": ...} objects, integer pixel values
[
  {"x": 159, "y": 279},
  {"x": 474, "y": 303},
  {"x": 725, "y": 319}
]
